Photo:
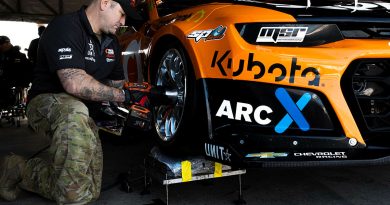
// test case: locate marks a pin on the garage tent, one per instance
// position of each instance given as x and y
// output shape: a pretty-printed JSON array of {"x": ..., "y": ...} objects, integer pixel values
[{"x": 39, "y": 11}]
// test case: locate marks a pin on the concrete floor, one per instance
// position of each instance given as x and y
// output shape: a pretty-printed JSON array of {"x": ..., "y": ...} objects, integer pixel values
[{"x": 314, "y": 186}]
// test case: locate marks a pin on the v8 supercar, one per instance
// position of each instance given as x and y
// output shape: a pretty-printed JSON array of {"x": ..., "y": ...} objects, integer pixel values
[{"x": 269, "y": 83}]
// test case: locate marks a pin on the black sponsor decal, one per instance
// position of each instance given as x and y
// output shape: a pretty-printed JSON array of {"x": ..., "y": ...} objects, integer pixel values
[{"x": 259, "y": 69}]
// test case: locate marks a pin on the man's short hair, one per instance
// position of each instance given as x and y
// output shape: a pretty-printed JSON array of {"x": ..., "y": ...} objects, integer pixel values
[{"x": 4, "y": 39}]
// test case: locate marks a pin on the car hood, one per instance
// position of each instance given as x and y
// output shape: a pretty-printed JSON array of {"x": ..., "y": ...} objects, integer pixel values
[
  {"x": 377, "y": 11},
  {"x": 329, "y": 10}
]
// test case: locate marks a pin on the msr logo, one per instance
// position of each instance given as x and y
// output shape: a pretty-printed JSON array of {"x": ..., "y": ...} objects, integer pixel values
[
  {"x": 293, "y": 111},
  {"x": 282, "y": 34},
  {"x": 253, "y": 65}
]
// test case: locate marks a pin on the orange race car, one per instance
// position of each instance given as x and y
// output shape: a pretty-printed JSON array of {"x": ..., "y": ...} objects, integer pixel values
[{"x": 271, "y": 83}]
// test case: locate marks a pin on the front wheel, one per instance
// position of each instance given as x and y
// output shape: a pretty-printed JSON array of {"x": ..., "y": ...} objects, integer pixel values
[{"x": 172, "y": 121}]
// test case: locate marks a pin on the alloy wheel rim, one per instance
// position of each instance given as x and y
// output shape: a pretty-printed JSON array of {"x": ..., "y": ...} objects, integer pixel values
[{"x": 171, "y": 75}]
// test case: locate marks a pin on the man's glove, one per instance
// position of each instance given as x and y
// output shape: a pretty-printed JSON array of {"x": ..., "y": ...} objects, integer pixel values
[
  {"x": 137, "y": 97},
  {"x": 137, "y": 93}
]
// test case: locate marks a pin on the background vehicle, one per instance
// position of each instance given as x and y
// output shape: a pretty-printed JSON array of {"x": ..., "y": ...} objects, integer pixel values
[{"x": 268, "y": 82}]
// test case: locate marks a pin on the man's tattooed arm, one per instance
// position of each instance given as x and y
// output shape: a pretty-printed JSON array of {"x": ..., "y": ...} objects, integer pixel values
[
  {"x": 80, "y": 84},
  {"x": 115, "y": 83}
]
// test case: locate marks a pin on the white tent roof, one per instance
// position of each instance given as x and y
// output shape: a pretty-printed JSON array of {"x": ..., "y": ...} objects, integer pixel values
[{"x": 39, "y": 11}]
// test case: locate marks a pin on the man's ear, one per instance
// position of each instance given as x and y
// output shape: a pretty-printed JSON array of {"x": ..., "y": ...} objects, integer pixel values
[{"x": 104, "y": 4}]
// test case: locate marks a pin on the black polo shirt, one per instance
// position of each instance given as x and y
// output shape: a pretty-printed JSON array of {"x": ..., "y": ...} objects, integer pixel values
[{"x": 69, "y": 42}]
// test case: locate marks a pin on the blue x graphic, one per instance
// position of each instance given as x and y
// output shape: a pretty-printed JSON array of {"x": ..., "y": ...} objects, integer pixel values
[{"x": 293, "y": 111}]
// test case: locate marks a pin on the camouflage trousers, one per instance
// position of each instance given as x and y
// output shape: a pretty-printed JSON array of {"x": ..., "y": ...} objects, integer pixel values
[{"x": 73, "y": 173}]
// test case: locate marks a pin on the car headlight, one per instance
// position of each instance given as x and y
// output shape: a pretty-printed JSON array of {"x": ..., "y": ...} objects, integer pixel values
[{"x": 301, "y": 35}]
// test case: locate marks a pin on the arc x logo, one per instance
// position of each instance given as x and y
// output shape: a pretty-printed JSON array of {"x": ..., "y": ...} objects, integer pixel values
[{"x": 293, "y": 111}]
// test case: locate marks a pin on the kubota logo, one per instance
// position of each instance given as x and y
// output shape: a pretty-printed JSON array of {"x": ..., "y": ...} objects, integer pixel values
[{"x": 224, "y": 63}]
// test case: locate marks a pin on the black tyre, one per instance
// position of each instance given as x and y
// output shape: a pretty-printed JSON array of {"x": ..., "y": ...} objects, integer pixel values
[{"x": 173, "y": 121}]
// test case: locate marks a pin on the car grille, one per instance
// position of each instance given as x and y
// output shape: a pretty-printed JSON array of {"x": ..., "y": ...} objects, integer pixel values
[{"x": 366, "y": 86}]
